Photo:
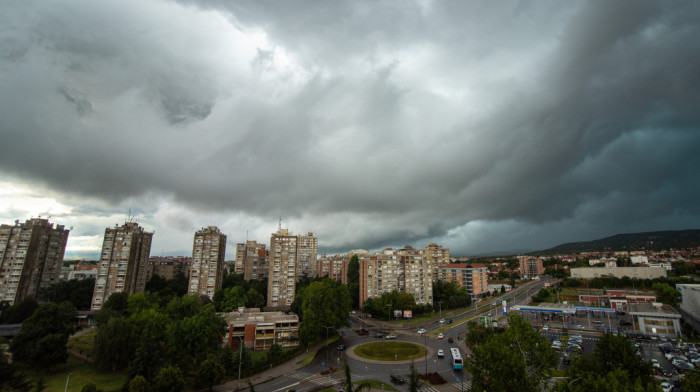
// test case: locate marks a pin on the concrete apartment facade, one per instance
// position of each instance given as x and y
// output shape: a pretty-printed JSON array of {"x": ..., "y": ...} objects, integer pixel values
[
  {"x": 252, "y": 260},
  {"x": 281, "y": 277},
  {"x": 530, "y": 266},
  {"x": 407, "y": 270},
  {"x": 168, "y": 267},
  {"x": 123, "y": 262},
  {"x": 334, "y": 267},
  {"x": 307, "y": 249},
  {"x": 207, "y": 269},
  {"x": 473, "y": 277},
  {"x": 437, "y": 258},
  {"x": 31, "y": 257}
]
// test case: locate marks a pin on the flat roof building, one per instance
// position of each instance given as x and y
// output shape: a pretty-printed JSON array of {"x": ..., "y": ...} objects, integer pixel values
[
  {"x": 655, "y": 319},
  {"x": 260, "y": 330},
  {"x": 619, "y": 272}
]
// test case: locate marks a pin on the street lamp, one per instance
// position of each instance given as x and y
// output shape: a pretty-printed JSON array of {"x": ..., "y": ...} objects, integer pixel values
[
  {"x": 440, "y": 303},
  {"x": 390, "y": 306},
  {"x": 240, "y": 360},
  {"x": 67, "y": 378},
  {"x": 327, "y": 328}
]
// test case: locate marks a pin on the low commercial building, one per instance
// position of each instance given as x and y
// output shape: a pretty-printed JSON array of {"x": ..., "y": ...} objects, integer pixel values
[
  {"x": 260, "y": 330},
  {"x": 619, "y": 272},
  {"x": 655, "y": 319}
]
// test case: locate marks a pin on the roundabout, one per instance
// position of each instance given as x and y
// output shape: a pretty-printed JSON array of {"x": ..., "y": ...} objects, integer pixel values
[{"x": 389, "y": 352}]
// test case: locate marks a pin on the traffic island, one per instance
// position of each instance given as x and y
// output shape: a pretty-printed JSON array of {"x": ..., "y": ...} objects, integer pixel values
[{"x": 390, "y": 351}]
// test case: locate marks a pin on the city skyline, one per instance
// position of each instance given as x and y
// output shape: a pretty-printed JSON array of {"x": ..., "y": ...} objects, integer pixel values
[{"x": 486, "y": 129}]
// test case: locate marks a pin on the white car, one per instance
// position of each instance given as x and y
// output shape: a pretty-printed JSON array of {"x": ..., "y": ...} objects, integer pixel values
[
  {"x": 441, "y": 336},
  {"x": 422, "y": 331},
  {"x": 666, "y": 387},
  {"x": 441, "y": 354},
  {"x": 390, "y": 336},
  {"x": 443, "y": 321},
  {"x": 545, "y": 328}
]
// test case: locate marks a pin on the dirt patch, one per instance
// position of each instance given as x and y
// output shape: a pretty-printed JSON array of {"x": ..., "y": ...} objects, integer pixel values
[{"x": 433, "y": 378}]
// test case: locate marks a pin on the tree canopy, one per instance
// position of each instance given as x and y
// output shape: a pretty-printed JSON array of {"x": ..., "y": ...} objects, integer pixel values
[
  {"x": 324, "y": 303},
  {"x": 516, "y": 360}
]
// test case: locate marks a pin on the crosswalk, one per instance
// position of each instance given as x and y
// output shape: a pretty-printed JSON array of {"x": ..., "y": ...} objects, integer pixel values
[
  {"x": 315, "y": 378},
  {"x": 458, "y": 385}
]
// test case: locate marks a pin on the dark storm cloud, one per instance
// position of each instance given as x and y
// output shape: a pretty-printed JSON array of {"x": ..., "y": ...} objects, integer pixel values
[{"x": 372, "y": 124}]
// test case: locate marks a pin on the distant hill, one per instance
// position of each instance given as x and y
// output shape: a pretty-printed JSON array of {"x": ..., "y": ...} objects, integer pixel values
[{"x": 656, "y": 240}]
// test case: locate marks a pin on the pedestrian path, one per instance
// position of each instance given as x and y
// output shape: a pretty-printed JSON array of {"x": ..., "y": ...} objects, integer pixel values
[{"x": 428, "y": 388}]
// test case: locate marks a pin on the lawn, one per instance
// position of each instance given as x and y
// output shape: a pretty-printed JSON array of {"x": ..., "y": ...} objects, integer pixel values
[
  {"x": 81, "y": 372},
  {"x": 376, "y": 384},
  {"x": 389, "y": 351},
  {"x": 84, "y": 343}
]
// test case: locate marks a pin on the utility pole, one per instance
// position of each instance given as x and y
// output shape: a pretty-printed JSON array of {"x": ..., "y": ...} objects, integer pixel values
[
  {"x": 327, "y": 328},
  {"x": 390, "y": 306},
  {"x": 240, "y": 361}
]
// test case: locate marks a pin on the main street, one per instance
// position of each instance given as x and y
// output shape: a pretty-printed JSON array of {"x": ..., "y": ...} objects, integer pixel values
[{"x": 326, "y": 368}]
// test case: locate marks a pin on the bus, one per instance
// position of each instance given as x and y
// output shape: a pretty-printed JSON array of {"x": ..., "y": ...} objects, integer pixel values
[{"x": 456, "y": 359}]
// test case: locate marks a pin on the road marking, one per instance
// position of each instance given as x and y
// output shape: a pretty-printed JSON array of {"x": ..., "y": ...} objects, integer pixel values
[{"x": 287, "y": 387}]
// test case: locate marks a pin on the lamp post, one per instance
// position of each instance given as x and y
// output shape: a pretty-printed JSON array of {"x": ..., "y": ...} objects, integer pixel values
[
  {"x": 67, "y": 378},
  {"x": 425, "y": 343},
  {"x": 240, "y": 360},
  {"x": 440, "y": 303},
  {"x": 390, "y": 306},
  {"x": 327, "y": 328}
]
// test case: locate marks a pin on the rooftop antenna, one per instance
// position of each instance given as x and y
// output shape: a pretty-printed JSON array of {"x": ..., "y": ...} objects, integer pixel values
[
  {"x": 279, "y": 227},
  {"x": 128, "y": 217},
  {"x": 246, "y": 236}
]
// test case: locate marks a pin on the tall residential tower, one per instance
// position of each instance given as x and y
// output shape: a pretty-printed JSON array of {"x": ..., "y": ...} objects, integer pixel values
[
  {"x": 31, "y": 256},
  {"x": 207, "y": 270},
  {"x": 123, "y": 262}
]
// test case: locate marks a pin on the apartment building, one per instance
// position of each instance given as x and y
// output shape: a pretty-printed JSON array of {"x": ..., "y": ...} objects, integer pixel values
[
  {"x": 252, "y": 260},
  {"x": 334, "y": 267},
  {"x": 31, "y": 256},
  {"x": 123, "y": 262},
  {"x": 207, "y": 269},
  {"x": 290, "y": 257},
  {"x": 408, "y": 270},
  {"x": 437, "y": 258},
  {"x": 473, "y": 277},
  {"x": 307, "y": 249},
  {"x": 530, "y": 266},
  {"x": 168, "y": 267}
]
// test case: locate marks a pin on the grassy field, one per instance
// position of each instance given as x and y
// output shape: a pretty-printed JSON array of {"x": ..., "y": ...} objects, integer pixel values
[
  {"x": 376, "y": 384},
  {"x": 83, "y": 343},
  {"x": 389, "y": 351},
  {"x": 81, "y": 373}
]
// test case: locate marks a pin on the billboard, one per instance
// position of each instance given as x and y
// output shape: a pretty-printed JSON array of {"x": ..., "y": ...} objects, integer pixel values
[
  {"x": 397, "y": 313},
  {"x": 408, "y": 313}
]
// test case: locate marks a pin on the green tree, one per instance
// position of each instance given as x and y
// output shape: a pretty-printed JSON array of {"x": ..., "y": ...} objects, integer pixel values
[
  {"x": 691, "y": 382},
  {"x": 477, "y": 333},
  {"x": 613, "y": 366},
  {"x": 90, "y": 387},
  {"x": 667, "y": 294},
  {"x": 326, "y": 303},
  {"x": 115, "y": 306},
  {"x": 227, "y": 360},
  {"x": 353, "y": 279},
  {"x": 255, "y": 299},
  {"x": 147, "y": 358},
  {"x": 202, "y": 333},
  {"x": 77, "y": 292},
  {"x": 210, "y": 373},
  {"x": 41, "y": 342},
  {"x": 274, "y": 353},
  {"x": 413, "y": 379},
  {"x": 169, "y": 379},
  {"x": 347, "y": 381},
  {"x": 515, "y": 360},
  {"x": 139, "y": 384},
  {"x": 19, "y": 312},
  {"x": 115, "y": 343},
  {"x": 11, "y": 377},
  {"x": 233, "y": 298}
]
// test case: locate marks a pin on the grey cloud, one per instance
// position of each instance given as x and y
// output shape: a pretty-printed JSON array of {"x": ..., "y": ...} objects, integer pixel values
[{"x": 519, "y": 116}]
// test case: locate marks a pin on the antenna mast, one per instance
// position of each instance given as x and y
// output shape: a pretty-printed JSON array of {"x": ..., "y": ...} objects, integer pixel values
[{"x": 279, "y": 227}]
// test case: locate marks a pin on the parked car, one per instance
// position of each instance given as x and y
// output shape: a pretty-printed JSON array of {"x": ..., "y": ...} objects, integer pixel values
[
  {"x": 390, "y": 336},
  {"x": 379, "y": 335},
  {"x": 448, "y": 321},
  {"x": 440, "y": 354},
  {"x": 545, "y": 328},
  {"x": 666, "y": 386},
  {"x": 397, "y": 379},
  {"x": 441, "y": 336},
  {"x": 421, "y": 331},
  {"x": 341, "y": 347},
  {"x": 450, "y": 340}
]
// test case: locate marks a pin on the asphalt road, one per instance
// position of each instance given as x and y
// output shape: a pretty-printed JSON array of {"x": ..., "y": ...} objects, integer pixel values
[{"x": 312, "y": 375}]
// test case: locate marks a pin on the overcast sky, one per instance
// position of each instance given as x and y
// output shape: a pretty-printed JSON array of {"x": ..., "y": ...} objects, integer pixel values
[{"x": 481, "y": 126}]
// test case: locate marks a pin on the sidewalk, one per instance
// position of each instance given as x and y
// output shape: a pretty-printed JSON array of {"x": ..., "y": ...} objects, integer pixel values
[{"x": 277, "y": 371}]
